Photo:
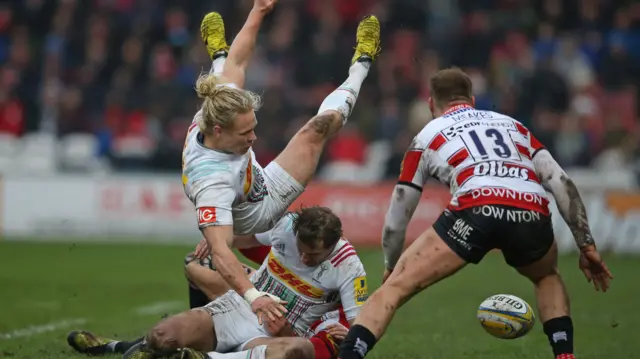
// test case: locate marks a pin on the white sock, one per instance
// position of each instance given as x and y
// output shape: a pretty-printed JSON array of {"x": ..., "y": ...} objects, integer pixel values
[
  {"x": 259, "y": 352},
  {"x": 112, "y": 346},
  {"x": 344, "y": 97},
  {"x": 218, "y": 64}
]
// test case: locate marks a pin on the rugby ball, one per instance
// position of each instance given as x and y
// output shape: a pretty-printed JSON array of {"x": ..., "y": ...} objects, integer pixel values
[{"x": 506, "y": 316}]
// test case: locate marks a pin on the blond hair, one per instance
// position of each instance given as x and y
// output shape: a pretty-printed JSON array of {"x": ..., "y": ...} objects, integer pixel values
[{"x": 222, "y": 103}]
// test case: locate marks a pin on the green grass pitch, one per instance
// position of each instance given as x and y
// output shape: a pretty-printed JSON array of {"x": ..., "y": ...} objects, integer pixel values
[{"x": 121, "y": 290}]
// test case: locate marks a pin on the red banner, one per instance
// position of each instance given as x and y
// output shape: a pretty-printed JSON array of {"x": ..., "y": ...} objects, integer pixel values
[{"x": 362, "y": 208}]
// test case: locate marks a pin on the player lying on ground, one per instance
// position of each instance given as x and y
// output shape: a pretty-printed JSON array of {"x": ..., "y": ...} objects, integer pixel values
[
  {"x": 310, "y": 267},
  {"x": 85, "y": 342},
  {"x": 230, "y": 190},
  {"x": 497, "y": 172}
]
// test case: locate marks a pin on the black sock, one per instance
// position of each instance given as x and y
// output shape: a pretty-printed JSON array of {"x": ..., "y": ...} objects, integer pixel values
[
  {"x": 122, "y": 347},
  {"x": 358, "y": 342},
  {"x": 560, "y": 334},
  {"x": 197, "y": 298}
]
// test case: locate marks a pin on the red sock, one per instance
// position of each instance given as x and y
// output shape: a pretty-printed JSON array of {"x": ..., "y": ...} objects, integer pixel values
[
  {"x": 566, "y": 356},
  {"x": 256, "y": 254},
  {"x": 324, "y": 347}
]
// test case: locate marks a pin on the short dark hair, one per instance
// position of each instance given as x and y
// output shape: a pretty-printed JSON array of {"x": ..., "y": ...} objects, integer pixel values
[
  {"x": 317, "y": 226},
  {"x": 450, "y": 85}
]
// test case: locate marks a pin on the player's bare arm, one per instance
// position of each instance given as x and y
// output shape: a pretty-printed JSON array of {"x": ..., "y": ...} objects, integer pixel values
[
  {"x": 567, "y": 197},
  {"x": 245, "y": 241},
  {"x": 404, "y": 201},
  {"x": 574, "y": 214},
  {"x": 220, "y": 239},
  {"x": 239, "y": 242},
  {"x": 243, "y": 45}
]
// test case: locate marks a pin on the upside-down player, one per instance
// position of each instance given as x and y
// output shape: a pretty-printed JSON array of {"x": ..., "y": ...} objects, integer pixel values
[
  {"x": 310, "y": 266},
  {"x": 231, "y": 192},
  {"x": 497, "y": 172}
]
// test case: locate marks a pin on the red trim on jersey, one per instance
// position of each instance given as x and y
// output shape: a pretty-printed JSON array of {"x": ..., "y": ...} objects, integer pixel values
[
  {"x": 409, "y": 165},
  {"x": 504, "y": 196},
  {"x": 256, "y": 254},
  {"x": 535, "y": 144},
  {"x": 458, "y": 157},
  {"x": 349, "y": 254},
  {"x": 343, "y": 253},
  {"x": 464, "y": 175},
  {"x": 323, "y": 347},
  {"x": 456, "y": 108},
  {"x": 523, "y": 151},
  {"x": 437, "y": 142},
  {"x": 523, "y": 130}
]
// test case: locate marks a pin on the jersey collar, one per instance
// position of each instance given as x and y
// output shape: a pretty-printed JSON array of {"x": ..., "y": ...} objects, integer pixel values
[{"x": 455, "y": 108}]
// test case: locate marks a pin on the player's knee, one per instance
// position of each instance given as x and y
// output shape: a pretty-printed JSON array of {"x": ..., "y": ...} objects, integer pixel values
[
  {"x": 321, "y": 126},
  {"x": 163, "y": 337},
  {"x": 189, "y": 270},
  {"x": 295, "y": 348}
]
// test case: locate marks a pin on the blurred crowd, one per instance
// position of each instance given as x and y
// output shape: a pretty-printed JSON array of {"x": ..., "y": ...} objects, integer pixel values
[{"x": 123, "y": 72}]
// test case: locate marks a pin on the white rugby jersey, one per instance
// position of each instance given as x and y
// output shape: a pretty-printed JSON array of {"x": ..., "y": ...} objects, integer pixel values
[
  {"x": 311, "y": 292},
  {"x": 218, "y": 183},
  {"x": 483, "y": 156}
]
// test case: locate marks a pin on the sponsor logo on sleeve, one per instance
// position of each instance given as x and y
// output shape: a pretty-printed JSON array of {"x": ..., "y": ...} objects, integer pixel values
[{"x": 206, "y": 215}]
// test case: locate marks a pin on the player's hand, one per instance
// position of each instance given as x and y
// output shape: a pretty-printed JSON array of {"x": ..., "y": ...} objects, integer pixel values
[
  {"x": 337, "y": 331},
  {"x": 274, "y": 327},
  {"x": 202, "y": 249},
  {"x": 264, "y": 6},
  {"x": 268, "y": 308},
  {"x": 594, "y": 268},
  {"x": 386, "y": 274}
]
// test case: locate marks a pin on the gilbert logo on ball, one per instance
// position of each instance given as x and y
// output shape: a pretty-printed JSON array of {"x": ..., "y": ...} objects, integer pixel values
[{"x": 506, "y": 316}]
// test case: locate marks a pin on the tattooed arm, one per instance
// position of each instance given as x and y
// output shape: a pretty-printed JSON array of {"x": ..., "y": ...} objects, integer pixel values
[
  {"x": 568, "y": 200},
  {"x": 404, "y": 202}
]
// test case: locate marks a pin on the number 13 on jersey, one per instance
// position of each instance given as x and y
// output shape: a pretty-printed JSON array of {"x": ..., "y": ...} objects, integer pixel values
[{"x": 490, "y": 143}]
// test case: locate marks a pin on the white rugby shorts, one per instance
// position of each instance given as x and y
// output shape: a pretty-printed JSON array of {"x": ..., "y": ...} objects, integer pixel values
[
  {"x": 259, "y": 217},
  {"x": 234, "y": 322}
]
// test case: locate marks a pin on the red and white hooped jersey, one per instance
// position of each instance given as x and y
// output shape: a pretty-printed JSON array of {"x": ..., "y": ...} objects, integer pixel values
[{"x": 483, "y": 156}]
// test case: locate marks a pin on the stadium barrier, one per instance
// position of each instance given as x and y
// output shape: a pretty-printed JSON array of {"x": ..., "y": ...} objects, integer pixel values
[{"x": 154, "y": 208}]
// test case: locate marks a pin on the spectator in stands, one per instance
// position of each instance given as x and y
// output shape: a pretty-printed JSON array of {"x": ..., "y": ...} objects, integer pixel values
[{"x": 124, "y": 70}]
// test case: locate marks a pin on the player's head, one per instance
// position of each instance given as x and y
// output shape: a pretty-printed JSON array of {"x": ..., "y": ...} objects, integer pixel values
[
  {"x": 228, "y": 115},
  {"x": 449, "y": 87},
  {"x": 317, "y": 231}
]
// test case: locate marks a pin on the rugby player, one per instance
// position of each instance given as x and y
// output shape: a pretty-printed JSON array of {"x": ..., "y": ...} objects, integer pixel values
[
  {"x": 497, "y": 172},
  {"x": 309, "y": 265},
  {"x": 231, "y": 192}
]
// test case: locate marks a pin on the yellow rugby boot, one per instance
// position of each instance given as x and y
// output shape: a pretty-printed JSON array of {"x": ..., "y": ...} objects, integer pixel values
[
  {"x": 87, "y": 343},
  {"x": 213, "y": 35},
  {"x": 140, "y": 351},
  {"x": 367, "y": 40}
]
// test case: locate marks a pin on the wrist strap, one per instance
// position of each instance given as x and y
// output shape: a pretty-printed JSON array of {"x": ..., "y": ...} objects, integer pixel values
[{"x": 251, "y": 295}]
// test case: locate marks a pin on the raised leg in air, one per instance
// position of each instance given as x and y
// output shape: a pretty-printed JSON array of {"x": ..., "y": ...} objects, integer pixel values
[{"x": 300, "y": 158}]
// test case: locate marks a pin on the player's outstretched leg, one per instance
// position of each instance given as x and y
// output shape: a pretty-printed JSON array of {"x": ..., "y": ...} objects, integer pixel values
[
  {"x": 300, "y": 158},
  {"x": 553, "y": 302},
  {"x": 213, "y": 35},
  {"x": 85, "y": 342},
  {"x": 427, "y": 260},
  {"x": 261, "y": 348}
]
